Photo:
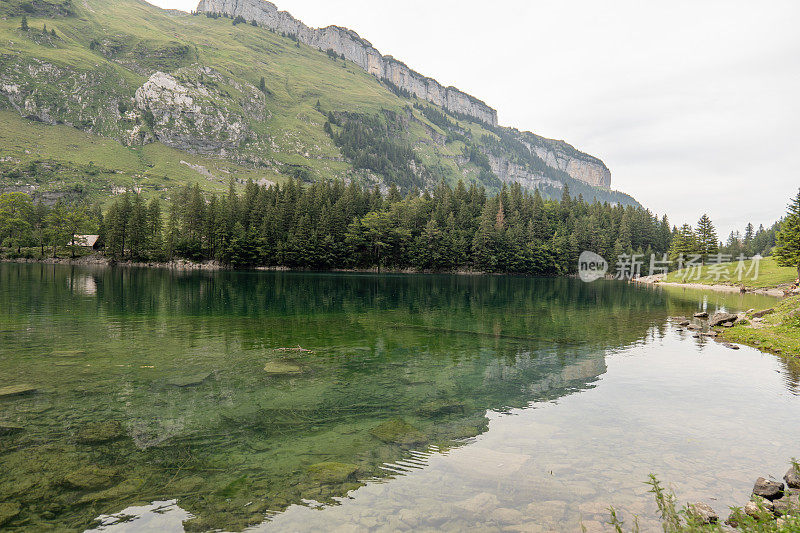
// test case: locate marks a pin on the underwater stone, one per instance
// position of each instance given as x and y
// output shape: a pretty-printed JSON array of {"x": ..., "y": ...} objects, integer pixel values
[
  {"x": 90, "y": 478},
  {"x": 398, "y": 431},
  {"x": 100, "y": 432},
  {"x": 8, "y": 510},
  {"x": 8, "y": 429},
  {"x": 282, "y": 368},
  {"x": 440, "y": 408},
  {"x": 127, "y": 487},
  {"x": 331, "y": 472},
  {"x": 189, "y": 381},
  {"x": 16, "y": 390}
]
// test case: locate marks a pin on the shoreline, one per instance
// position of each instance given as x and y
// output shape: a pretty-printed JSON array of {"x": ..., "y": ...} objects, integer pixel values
[
  {"x": 658, "y": 279},
  {"x": 215, "y": 266}
]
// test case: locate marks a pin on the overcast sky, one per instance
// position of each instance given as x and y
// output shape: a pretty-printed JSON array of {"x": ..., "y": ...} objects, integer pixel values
[{"x": 693, "y": 105}]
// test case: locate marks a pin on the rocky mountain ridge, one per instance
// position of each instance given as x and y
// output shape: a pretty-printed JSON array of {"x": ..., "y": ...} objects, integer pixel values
[
  {"x": 356, "y": 49},
  {"x": 351, "y": 46}
]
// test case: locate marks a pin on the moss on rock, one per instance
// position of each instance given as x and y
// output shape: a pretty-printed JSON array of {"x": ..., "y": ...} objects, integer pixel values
[
  {"x": 90, "y": 478},
  {"x": 331, "y": 472},
  {"x": 8, "y": 510},
  {"x": 282, "y": 368},
  {"x": 100, "y": 432},
  {"x": 398, "y": 431}
]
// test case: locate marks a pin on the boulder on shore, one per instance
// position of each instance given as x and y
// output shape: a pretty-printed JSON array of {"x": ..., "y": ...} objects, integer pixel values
[
  {"x": 792, "y": 478},
  {"x": 703, "y": 513},
  {"x": 703, "y": 314},
  {"x": 758, "y": 509},
  {"x": 770, "y": 490},
  {"x": 721, "y": 318},
  {"x": 782, "y": 506},
  {"x": 761, "y": 314}
]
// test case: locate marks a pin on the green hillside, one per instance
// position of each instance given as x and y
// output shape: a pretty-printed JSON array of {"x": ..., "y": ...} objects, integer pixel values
[{"x": 235, "y": 101}]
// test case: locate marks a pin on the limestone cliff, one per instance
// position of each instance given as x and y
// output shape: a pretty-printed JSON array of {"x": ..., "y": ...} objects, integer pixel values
[
  {"x": 556, "y": 154},
  {"x": 360, "y": 51}
]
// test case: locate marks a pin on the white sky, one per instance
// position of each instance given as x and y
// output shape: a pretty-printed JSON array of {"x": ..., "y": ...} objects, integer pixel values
[{"x": 693, "y": 105}]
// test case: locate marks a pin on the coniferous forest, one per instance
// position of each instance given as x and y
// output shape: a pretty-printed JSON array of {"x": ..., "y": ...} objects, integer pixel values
[{"x": 335, "y": 225}]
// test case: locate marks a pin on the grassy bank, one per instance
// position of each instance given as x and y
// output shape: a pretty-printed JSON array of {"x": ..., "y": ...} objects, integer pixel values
[
  {"x": 777, "y": 332},
  {"x": 768, "y": 274}
]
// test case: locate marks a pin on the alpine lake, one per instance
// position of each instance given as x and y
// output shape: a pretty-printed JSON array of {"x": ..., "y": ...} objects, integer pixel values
[{"x": 157, "y": 400}]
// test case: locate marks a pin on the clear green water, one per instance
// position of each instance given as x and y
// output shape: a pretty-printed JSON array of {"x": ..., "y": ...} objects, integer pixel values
[{"x": 397, "y": 402}]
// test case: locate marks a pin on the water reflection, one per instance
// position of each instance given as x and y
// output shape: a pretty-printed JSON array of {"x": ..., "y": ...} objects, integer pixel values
[{"x": 242, "y": 395}]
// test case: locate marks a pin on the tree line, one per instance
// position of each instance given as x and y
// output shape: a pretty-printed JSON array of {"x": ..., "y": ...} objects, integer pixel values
[
  {"x": 337, "y": 225},
  {"x": 331, "y": 225}
]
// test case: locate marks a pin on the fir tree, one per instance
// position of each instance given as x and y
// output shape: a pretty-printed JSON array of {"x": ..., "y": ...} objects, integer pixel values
[
  {"x": 24, "y": 24},
  {"x": 787, "y": 249},
  {"x": 707, "y": 241}
]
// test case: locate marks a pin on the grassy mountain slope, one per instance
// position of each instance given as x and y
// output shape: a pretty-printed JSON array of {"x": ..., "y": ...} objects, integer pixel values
[{"x": 110, "y": 125}]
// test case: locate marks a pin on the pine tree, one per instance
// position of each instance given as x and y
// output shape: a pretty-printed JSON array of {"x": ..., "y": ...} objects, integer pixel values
[
  {"x": 707, "y": 241},
  {"x": 684, "y": 243},
  {"x": 262, "y": 85},
  {"x": 24, "y": 24},
  {"x": 787, "y": 249}
]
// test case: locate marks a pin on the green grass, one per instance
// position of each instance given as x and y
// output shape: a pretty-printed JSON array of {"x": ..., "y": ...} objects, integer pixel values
[
  {"x": 778, "y": 333},
  {"x": 769, "y": 274},
  {"x": 154, "y": 168}
]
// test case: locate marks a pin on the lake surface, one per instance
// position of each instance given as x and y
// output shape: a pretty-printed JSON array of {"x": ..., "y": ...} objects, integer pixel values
[{"x": 335, "y": 402}]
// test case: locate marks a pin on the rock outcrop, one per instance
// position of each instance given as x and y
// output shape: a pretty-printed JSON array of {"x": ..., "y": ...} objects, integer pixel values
[
  {"x": 201, "y": 111},
  {"x": 356, "y": 49}
]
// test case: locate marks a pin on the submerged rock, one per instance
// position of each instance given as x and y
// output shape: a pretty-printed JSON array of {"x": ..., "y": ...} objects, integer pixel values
[
  {"x": 770, "y": 490},
  {"x": 792, "y": 478},
  {"x": 189, "y": 381},
  {"x": 331, "y": 472},
  {"x": 282, "y": 368},
  {"x": 9, "y": 429},
  {"x": 125, "y": 488},
  {"x": 694, "y": 327},
  {"x": 480, "y": 503},
  {"x": 398, "y": 431},
  {"x": 8, "y": 510},
  {"x": 721, "y": 318},
  {"x": 90, "y": 478},
  {"x": 703, "y": 513},
  {"x": 434, "y": 409},
  {"x": 16, "y": 390},
  {"x": 100, "y": 432}
]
